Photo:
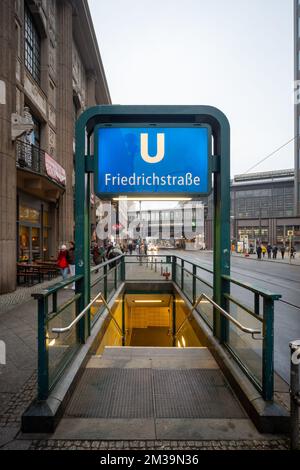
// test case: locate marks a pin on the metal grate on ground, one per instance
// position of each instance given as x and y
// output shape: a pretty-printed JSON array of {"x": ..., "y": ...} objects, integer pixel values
[{"x": 153, "y": 393}]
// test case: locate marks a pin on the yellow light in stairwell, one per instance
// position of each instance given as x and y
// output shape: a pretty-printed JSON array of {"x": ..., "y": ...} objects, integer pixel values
[
  {"x": 183, "y": 341},
  {"x": 155, "y": 301},
  {"x": 52, "y": 342},
  {"x": 178, "y": 344}
]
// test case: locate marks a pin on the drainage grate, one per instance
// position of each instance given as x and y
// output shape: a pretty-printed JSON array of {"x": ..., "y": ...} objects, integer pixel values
[{"x": 149, "y": 393}]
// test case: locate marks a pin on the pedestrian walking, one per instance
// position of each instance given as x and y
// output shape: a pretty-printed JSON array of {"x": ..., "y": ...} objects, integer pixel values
[
  {"x": 282, "y": 251},
  {"x": 263, "y": 250},
  {"x": 71, "y": 260},
  {"x": 258, "y": 251},
  {"x": 62, "y": 262},
  {"x": 274, "y": 251},
  {"x": 98, "y": 254},
  {"x": 293, "y": 252},
  {"x": 130, "y": 247},
  {"x": 269, "y": 250}
]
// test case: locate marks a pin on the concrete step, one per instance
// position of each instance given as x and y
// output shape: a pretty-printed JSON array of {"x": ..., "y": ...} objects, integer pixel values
[{"x": 153, "y": 358}]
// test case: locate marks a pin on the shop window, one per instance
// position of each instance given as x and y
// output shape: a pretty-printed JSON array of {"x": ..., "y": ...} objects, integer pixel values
[
  {"x": 35, "y": 240},
  {"x": 28, "y": 214},
  {"x": 24, "y": 243}
]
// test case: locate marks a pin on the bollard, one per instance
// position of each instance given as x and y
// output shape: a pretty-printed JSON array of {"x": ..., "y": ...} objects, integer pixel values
[
  {"x": 295, "y": 393},
  {"x": 161, "y": 268},
  {"x": 155, "y": 265}
]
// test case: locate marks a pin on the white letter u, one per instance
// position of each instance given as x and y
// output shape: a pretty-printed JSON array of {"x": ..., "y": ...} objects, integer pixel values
[{"x": 160, "y": 148}]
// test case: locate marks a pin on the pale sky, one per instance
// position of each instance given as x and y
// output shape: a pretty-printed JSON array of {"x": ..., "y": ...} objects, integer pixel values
[{"x": 236, "y": 55}]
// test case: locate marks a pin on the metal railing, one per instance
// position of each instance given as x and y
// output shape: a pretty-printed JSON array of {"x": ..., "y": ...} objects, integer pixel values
[
  {"x": 84, "y": 311},
  {"x": 243, "y": 328},
  {"x": 246, "y": 310},
  {"x": 30, "y": 157},
  {"x": 63, "y": 318}
]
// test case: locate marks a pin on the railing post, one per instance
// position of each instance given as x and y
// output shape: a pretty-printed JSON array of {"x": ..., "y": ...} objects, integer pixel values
[
  {"x": 105, "y": 281},
  {"x": 54, "y": 301},
  {"x": 174, "y": 268},
  {"x": 256, "y": 303},
  {"x": 194, "y": 283},
  {"x": 174, "y": 322},
  {"x": 295, "y": 394},
  {"x": 268, "y": 350},
  {"x": 43, "y": 357},
  {"x": 116, "y": 275},
  {"x": 123, "y": 269},
  {"x": 182, "y": 274}
]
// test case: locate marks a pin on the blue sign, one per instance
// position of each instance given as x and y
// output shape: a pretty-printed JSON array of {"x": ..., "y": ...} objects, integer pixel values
[{"x": 152, "y": 160}]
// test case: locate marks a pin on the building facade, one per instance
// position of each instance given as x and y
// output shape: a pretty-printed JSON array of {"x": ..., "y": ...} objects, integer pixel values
[
  {"x": 297, "y": 104},
  {"x": 50, "y": 71},
  {"x": 262, "y": 210}
]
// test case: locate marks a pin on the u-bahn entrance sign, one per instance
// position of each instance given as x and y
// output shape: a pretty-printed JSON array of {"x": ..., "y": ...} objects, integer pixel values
[
  {"x": 157, "y": 150},
  {"x": 169, "y": 160}
]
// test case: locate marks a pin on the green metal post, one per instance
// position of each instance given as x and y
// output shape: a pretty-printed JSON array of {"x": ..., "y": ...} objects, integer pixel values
[
  {"x": 221, "y": 256},
  {"x": 174, "y": 322},
  {"x": 43, "y": 357},
  {"x": 268, "y": 350},
  {"x": 82, "y": 225},
  {"x": 105, "y": 281},
  {"x": 54, "y": 302},
  {"x": 256, "y": 303},
  {"x": 123, "y": 269},
  {"x": 116, "y": 277},
  {"x": 174, "y": 268},
  {"x": 194, "y": 283}
]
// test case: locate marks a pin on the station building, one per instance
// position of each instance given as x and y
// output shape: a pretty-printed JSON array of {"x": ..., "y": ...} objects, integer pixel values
[
  {"x": 262, "y": 207},
  {"x": 50, "y": 71}
]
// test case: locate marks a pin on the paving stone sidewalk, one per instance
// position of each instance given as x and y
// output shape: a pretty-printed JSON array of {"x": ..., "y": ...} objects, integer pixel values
[{"x": 159, "y": 445}]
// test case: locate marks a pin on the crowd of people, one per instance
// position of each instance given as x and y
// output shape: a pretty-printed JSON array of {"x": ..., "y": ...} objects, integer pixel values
[
  {"x": 100, "y": 252},
  {"x": 272, "y": 250},
  {"x": 106, "y": 252}
]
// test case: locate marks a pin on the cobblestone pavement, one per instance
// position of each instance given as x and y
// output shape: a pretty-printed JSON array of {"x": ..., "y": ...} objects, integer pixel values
[
  {"x": 22, "y": 294},
  {"x": 159, "y": 445},
  {"x": 11, "y": 412}
]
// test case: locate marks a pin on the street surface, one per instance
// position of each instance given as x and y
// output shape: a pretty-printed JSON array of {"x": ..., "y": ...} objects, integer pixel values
[{"x": 278, "y": 277}]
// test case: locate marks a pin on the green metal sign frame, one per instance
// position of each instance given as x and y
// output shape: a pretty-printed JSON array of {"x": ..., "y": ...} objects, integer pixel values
[{"x": 161, "y": 115}]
